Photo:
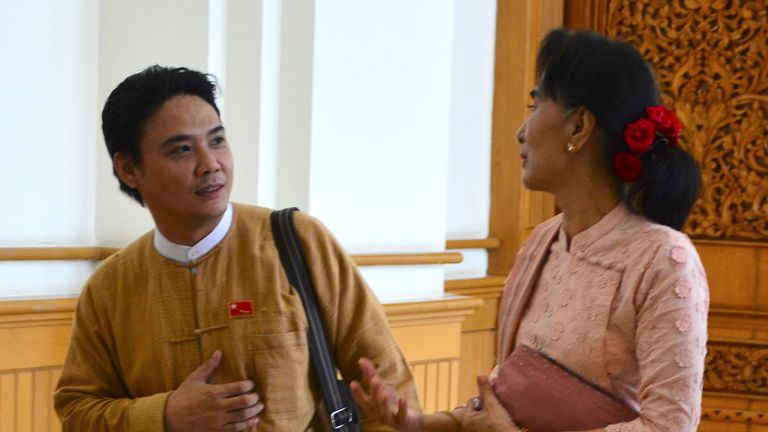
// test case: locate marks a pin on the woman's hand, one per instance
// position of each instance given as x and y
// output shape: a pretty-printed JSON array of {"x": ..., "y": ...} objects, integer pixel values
[
  {"x": 379, "y": 401},
  {"x": 485, "y": 412}
]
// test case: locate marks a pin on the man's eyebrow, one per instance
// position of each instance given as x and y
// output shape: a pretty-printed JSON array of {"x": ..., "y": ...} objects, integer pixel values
[
  {"x": 176, "y": 139},
  {"x": 186, "y": 137}
]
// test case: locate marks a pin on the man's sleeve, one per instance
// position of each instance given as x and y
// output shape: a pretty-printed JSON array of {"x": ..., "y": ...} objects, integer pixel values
[
  {"x": 90, "y": 395},
  {"x": 356, "y": 322}
]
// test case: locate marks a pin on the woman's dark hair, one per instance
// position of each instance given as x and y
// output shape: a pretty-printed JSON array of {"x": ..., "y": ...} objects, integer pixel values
[
  {"x": 139, "y": 97},
  {"x": 612, "y": 80}
]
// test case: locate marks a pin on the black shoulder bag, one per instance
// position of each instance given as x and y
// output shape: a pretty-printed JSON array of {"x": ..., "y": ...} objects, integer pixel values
[{"x": 336, "y": 394}]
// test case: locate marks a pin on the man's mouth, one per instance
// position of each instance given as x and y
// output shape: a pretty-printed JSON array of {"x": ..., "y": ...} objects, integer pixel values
[{"x": 209, "y": 189}]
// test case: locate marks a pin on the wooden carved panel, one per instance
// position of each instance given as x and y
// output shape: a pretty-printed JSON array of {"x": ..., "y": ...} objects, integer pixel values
[
  {"x": 711, "y": 59},
  {"x": 737, "y": 368}
]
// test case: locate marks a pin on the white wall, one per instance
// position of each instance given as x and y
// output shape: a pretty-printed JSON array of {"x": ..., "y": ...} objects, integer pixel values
[
  {"x": 49, "y": 120},
  {"x": 133, "y": 35},
  {"x": 373, "y": 116},
  {"x": 380, "y": 132}
]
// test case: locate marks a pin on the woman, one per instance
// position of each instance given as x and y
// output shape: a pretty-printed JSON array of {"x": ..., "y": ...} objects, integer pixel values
[{"x": 609, "y": 289}]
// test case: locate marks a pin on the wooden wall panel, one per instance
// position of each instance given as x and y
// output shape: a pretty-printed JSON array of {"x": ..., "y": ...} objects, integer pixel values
[
  {"x": 437, "y": 384},
  {"x": 478, "y": 357},
  {"x": 25, "y": 400},
  {"x": 733, "y": 273},
  {"x": 478, "y": 339},
  {"x": 35, "y": 335}
]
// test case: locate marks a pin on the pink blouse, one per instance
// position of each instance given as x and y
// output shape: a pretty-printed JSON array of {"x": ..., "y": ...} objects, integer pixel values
[{"x": 625, "y": 308}]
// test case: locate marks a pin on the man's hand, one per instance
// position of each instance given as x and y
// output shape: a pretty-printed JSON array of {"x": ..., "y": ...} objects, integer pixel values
[
  {"x": 379, "y": 401},
  {"x": 199, "y": 406}
]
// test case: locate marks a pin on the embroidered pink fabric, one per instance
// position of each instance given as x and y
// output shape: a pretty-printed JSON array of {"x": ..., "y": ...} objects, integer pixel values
[{"x": 625, "y": 307}]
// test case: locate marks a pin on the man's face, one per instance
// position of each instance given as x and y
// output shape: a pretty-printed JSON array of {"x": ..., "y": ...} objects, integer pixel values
[{"x": 186, "y": 172}]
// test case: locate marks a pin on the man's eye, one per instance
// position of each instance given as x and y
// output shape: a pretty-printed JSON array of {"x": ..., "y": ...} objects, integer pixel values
[
  {"x": 219, "y": 141},
  {"x": 180, "y": 149}
]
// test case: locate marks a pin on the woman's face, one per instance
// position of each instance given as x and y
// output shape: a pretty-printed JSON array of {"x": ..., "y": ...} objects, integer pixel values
[{"x": 544, "y": 139}]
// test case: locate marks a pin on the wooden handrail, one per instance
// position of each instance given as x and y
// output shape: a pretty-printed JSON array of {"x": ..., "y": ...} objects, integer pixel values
[
  {"x": 483, "y": 282},
  {"x": 96, "y": 253},
  {"x": 486, "y": 243},
  {"x": 408, "y": 259}
]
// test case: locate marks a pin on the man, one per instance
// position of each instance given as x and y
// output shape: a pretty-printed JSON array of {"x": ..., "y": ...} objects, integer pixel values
[{"x": 194, "y": 327}]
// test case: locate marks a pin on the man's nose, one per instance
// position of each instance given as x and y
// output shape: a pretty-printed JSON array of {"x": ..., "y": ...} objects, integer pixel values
[{"x": 207, "y": 162}]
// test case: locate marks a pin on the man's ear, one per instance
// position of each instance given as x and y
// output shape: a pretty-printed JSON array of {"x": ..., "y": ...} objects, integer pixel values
[
  {"x": 583, "y": 123},
  {"x": 126, "y": 169}
]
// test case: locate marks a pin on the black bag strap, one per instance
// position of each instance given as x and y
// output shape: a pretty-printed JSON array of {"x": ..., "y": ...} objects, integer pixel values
[{"x": 343, "y": 413}]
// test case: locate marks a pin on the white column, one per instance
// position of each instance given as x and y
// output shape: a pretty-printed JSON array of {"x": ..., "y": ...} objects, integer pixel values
[
  {"x": 294, "y": 104},
  {"x": 470, "y": 149},
  {"x": 242, "y": 55}
]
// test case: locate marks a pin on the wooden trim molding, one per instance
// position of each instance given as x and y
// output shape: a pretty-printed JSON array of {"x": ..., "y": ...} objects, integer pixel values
[
  {"x": 97, "y": 253},
  {"x": 737, "y": 319},
  {"x": 30, "y": 311},
  {"x": 740, "y": 243},
  {"x": 481, "y": 287},
  {"x": 735, "y": 416},
  {"x": 590, "y": 14},
  {"x": 489, "y": 289},
  {"x": 486, "y": 243},
  {"x": 446, "y": 309}
]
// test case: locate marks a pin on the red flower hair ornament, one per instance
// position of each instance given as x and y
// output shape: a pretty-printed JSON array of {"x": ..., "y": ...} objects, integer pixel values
[{"x": 640, "y": 136}]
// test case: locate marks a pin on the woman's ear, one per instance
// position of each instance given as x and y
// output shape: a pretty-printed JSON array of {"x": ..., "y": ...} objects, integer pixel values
[
  {"x": 582, "y": 122},
  {"x": 126, "y": 169}
]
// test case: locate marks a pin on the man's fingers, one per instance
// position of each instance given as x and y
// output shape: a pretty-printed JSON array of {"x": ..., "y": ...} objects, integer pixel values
[
  {"x": 383, "y": 398},
  {"x": 244, "y": 415},
  {"x": 202, "y": 373},
  {"x": 362, "y": 398},
  {"x": 402, "y": 410},
  {"x": 240, "y": 402},
  {"x": 233, "y": 389},
  {"x": 368, "y": 369},
  {"x": 240, "y": 426}
]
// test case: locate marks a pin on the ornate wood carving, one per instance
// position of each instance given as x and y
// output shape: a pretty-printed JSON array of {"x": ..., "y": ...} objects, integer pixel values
[
  {"x": 711, "y": 59},
  {"x": 734, "y": 367}
]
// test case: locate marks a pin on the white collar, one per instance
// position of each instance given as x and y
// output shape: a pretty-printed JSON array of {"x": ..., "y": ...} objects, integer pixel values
[{"x": 187, "y": 254}]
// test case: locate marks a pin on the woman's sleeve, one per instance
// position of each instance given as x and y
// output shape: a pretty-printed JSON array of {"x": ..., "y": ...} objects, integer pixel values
[{"x": 670, "y": 341}]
